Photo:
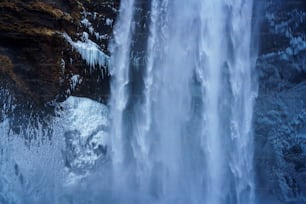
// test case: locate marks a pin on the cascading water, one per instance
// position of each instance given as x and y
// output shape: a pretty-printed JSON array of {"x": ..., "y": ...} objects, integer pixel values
[
  {"x": 182, "y": 99},
  {"x": 181, "y": 115}
]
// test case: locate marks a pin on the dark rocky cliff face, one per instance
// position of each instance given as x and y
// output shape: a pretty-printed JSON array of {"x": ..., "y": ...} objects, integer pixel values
[
  {"x": 40, "y": 67},
  {"x": 280, "y": 111},
  {"x": 35, "y": 58}
]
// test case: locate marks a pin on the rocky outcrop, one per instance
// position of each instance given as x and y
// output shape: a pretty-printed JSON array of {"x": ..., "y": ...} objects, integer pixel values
[
  {"x": 41, "y": 61},
  {"x": 280, "y": 111},
  {"x": 35, "y": 58}
]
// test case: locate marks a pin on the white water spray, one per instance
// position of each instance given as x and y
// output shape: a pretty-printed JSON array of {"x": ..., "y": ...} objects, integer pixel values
[{"x": 182, "y": 100}]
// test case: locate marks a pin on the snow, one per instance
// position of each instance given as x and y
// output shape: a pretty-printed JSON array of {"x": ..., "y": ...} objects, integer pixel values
[
  {"x": 87, "y": 24},
  {"x": 85, "y": 123},
  {"x": 298, "y": 44},
  {"x": 109, "y": 22},
  {"x": 84, "y": 115}
]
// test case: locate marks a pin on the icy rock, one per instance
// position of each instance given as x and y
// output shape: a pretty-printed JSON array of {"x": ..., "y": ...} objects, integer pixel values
[{"x": 86, "y": 136}]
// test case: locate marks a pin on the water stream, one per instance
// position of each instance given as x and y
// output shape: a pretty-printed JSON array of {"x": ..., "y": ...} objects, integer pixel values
[{"x": 182, "y": 100}]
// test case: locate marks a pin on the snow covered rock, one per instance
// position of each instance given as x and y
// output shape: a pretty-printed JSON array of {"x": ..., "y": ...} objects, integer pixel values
[{"x": 85, "y": 129}]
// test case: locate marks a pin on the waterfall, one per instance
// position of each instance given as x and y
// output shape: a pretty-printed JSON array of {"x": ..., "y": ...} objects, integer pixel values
[{"x": 182, "y": 100}]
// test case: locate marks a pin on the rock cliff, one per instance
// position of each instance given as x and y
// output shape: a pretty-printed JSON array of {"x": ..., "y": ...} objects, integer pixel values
[
  {"x": 280, "y": 110},
  {"x": 42, "y": 59},
  {"x": 37, "y": 60}
]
